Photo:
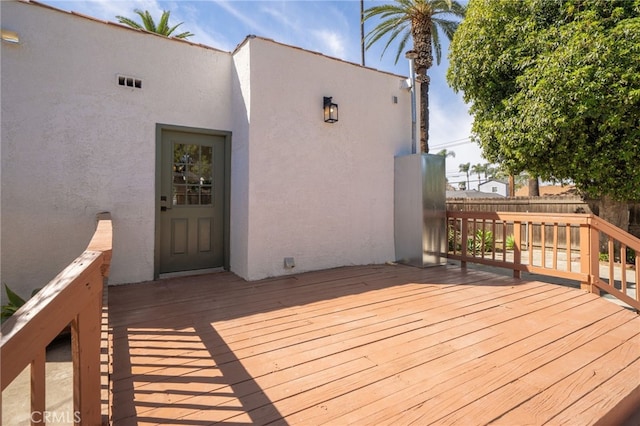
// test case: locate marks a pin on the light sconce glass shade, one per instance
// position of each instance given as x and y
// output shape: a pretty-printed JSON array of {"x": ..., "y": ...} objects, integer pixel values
[
  {"x": 10, "y": 37},
  {"x": 330, "y": 110}
]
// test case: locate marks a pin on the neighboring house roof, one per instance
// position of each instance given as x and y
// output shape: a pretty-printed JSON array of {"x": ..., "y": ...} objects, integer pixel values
[
  {"x": 472, "y": 194},
  {"x": 502, "y": 182},
  {"x": 548, "y": 190}
]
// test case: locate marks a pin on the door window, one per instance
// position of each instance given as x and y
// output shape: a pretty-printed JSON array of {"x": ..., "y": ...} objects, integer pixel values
[{"x": 192, "y": 174}]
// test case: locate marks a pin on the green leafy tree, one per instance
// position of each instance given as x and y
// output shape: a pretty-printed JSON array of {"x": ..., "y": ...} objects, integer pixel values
[
  {"x": 554, "y": 89},
  {"x": 422, "y": 20},
  {"x": 149, "y": 24}
]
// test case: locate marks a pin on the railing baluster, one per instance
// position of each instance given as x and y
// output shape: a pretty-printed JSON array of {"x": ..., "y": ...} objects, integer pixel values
[
  {"x": 493, "y": 240},
  {"x": 555, "y": 245},
  {"x": 543, "y": 247},
  {"x": 38, "y": 387},
  {"x": 637, "y": 275},
  {"x": 475, "y": 233},
  {"x": 456, "y": 235},
  {"x": 504, "y": 240},
  {"x": 594, "y": 260},
  {"x": 530, "y": 242},
  {"x": 611, "y": 262},
  {"x": 483, "y": 238},
  {"x": 568, "y": 242},
  {"x": 463, "y": 242},
  {"x": 623, "y": 267}
]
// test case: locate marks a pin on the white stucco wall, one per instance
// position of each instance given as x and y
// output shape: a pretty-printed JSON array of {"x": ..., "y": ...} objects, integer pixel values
[
  {"x": 74, "y": 143},
  {"x": 321, "y": 193}
]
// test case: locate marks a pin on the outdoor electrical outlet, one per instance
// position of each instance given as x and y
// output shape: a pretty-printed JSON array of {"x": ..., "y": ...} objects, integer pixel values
[{"x": 289, "y": 263}]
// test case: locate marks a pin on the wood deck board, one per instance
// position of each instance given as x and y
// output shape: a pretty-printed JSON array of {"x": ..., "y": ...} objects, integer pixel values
[{"x": 368, "y": 345}]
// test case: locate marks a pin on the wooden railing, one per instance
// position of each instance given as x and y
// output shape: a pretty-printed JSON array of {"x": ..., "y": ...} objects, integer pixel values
[
  {"x": 73, "y": 297},
  {"x": 580, "y": 247}
]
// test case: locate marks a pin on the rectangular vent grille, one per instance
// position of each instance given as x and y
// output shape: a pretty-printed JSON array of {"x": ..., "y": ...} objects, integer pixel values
[{"x": 127, "y": 81}]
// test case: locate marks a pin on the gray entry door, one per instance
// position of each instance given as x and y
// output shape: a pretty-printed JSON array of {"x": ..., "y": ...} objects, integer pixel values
[{"x": 191, "y": 201}]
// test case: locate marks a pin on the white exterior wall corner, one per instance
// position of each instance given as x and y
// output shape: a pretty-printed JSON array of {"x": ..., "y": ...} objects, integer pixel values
[
  {"x": 321, "y": 193},
  {"x": 74, "y": 143},
  {"x": 240, "y": 172}
]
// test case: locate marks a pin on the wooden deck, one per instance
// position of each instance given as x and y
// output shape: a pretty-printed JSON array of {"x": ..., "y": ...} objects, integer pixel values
[{"x": 370, "y": 345}]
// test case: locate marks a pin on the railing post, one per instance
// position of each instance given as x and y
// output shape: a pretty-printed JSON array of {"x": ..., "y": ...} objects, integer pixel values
[
  {"x": 85, "y": 347},
  {"x": 38, "y": 405},
  {"x": 517, "y": 247},
  {"x": 589, "y": 262}
]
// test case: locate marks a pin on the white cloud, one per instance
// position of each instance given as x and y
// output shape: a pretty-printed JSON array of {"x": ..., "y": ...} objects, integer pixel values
[
  {"x": 108, "y": 10},
  {"x": 242, "y": 17},
  {"x": 281, "y": 16},
  {"x": 333, "y": 44}
]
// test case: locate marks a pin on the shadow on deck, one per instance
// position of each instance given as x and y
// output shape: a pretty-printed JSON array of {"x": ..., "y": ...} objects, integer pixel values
[{"x": 370, "y": 345}]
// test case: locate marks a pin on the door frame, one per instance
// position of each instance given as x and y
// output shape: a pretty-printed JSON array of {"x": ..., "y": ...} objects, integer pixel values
[{"x": 160, "y": 128}]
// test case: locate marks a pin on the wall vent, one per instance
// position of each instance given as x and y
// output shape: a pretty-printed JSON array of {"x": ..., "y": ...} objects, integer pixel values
[{"x": 128, "y": 81}]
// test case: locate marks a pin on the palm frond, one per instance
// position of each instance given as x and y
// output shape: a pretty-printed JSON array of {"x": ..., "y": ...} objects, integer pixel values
[
  {"x": 435, "y": 42},
  {"x": 396, "y": 19},
  {"x": 163, "y": 25},
  {"x": 148, "y": 24},
  {"x": 129, "y": 22},
  {"x": 147, "y": 20},
  {"x": 184, "y": 35}
]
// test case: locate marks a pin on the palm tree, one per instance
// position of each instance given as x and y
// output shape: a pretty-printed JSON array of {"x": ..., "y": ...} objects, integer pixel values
[
  {"x": 148, "y": 24},
  {"x": 422, "y": 20},
  {"x": 446, "y": 153},
  {"x": 477, "y": 169},
  {"x": 464, "y": 168}
]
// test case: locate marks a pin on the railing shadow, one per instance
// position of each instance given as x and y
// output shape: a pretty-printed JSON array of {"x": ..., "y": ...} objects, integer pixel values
[
  {"x": 172, "y": 365},
  {"x": 180, "y": 376}
]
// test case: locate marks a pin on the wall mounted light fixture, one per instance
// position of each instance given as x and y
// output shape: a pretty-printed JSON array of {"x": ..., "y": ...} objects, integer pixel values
[
  {"x": 10, "y": 36},
  {"x": 330, "y": 110}
]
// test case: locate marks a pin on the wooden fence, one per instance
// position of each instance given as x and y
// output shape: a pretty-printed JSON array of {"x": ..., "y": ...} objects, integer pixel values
[
  {"x": 546, "y": 204},
  {"x": 73, "y": 297}
]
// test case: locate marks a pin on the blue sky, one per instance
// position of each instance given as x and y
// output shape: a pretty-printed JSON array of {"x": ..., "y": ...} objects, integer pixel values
[{"x": 329, "y": 27}]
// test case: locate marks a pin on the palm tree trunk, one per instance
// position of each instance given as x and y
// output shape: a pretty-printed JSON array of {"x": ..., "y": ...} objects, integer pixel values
[
  {"x": 362, "y": 30},
  {"x": 421, "y": 32},
  {"x": 424, "y": 115}
]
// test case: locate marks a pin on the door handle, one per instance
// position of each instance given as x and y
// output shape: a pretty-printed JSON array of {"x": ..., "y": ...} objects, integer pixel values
[{"x": 164, "y": 206}]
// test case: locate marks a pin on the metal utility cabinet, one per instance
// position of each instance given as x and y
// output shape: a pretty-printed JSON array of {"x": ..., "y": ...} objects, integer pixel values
[{"x": 420, "y": 210}]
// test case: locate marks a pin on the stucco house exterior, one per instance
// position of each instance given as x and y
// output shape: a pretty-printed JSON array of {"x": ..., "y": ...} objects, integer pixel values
[{"x": 198, "y": 153}]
